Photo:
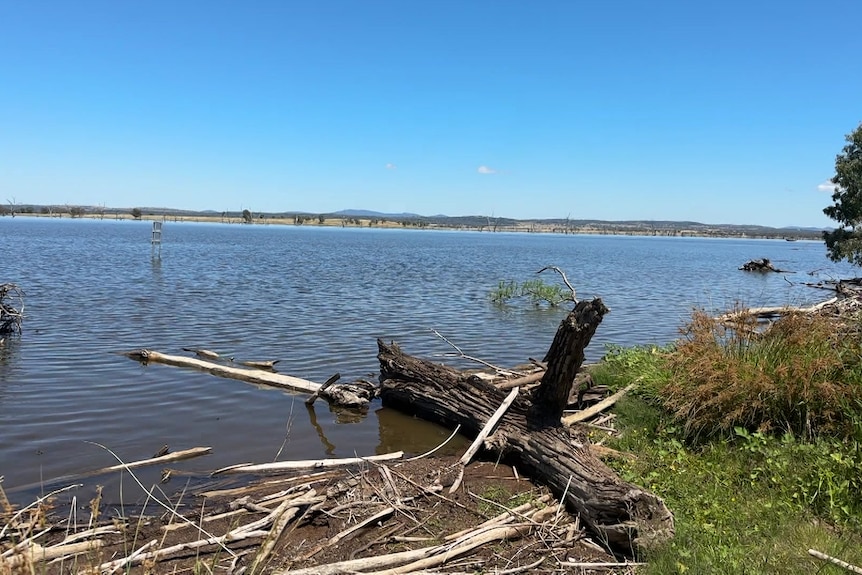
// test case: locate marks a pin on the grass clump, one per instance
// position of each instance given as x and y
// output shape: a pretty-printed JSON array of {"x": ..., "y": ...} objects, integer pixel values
[
  {"x": 754, "y": 441},
  {"x": 802, "y": 376},
  {"x": 535, "y": 291}
]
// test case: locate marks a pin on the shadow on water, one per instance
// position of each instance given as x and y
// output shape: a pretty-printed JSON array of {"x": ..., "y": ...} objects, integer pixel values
[
  {"x": 400, "y": 432},
  {"x": 328, "y": 447},
  {"x": 10, "y": 356}
]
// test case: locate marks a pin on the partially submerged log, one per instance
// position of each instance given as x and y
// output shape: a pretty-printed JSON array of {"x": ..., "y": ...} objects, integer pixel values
[
  {"x": 623, "y": 515},
  {"x": 761, "y": 265},
  {"x": 769, "y": 313},
  {"x": 358, "y": 394}
]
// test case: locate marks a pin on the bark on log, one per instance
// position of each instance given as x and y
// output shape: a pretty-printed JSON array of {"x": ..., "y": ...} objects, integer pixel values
[
  {"x": 624, "y": 515},
  {"x": 564, "y": 359}
]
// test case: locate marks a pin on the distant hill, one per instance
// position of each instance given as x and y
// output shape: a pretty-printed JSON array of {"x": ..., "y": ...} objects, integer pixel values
[
  {"x": 471, "y": 222},
  {"x": 373, "y": 214}
]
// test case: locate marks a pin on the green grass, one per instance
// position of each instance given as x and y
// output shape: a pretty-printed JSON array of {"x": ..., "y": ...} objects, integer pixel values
[
  {"x": 752, "y": 489},
  {"x": 535, "y": 291},
  {"x": 739, "y": 507}
]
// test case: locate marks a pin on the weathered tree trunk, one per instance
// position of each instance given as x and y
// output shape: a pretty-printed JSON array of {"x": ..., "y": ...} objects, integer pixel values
[
  {"x": 625, "y": 516},
  {"x": 564, "y": 359}
]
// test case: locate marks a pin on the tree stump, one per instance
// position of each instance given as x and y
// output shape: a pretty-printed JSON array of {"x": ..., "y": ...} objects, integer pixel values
[
  {"x": 10, "y": 316},
  {"x": 530, "y": 434}
]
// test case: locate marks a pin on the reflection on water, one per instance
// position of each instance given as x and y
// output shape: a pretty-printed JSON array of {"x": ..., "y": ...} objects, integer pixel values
[
  {"x": 328, "y": 447},
  {"x": 400, "y": 432},
  {"x": 317, "y": 299}
]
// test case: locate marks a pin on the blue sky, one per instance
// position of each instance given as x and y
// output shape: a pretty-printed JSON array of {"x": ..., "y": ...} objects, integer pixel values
[{"x": 719, "y": 112}]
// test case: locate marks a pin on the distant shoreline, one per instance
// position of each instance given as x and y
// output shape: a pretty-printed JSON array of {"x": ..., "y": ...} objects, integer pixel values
[{"x": 474, "y": 224}]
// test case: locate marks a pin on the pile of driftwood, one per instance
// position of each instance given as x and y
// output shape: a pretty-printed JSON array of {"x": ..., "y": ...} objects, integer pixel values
[
  {"x": 845, "y": 307},
  {"x": 526, "y": 428},
  {"x": 11, "y": 308},
  {"x": 520, "y": 417},
  {"x": 376, "y": 518}
]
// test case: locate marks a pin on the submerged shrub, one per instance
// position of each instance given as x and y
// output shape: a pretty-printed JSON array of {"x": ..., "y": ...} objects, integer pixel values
[
  {"x": 799, "y": 376},
  {"x": 537, "y": 291}
]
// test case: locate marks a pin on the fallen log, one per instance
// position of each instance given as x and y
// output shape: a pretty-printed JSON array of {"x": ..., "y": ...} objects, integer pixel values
[
  {"x": 482, "y": 435},
  {"x": 246, "y": 375},
  {"x": 348, "y": 396},
  {"x": 530, "y": 433}
]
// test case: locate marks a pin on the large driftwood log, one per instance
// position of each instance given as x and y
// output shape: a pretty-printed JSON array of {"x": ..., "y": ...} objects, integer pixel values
[
  {"x": 624, "y": 515},
  {"x": 256, "y": 376}
]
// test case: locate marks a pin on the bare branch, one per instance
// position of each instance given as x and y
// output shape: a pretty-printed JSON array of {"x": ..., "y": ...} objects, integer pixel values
[
  {"x": 463, "y": 355},
  {"x": 565, "y": 279}
]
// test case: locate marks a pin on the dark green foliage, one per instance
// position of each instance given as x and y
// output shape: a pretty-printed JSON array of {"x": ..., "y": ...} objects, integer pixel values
[{"x": 846, "y": 241}]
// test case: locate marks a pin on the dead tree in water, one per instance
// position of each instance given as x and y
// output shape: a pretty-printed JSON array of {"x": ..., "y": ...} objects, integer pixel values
[
  {"x": 761, "y": 265},
  {"x": 10, "y": 316},
  {"x": 530, "y": 434}
]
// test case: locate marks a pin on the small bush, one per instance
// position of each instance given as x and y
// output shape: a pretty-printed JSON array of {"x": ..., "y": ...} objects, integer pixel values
[{"x": 797, "y": 377}]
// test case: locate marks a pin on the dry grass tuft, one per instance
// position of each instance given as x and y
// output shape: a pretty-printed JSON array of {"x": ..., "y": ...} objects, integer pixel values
[{"x": 798, "y": 376}]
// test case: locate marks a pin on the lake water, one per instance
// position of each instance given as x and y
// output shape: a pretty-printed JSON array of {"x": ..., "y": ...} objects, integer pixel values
[{"x": 317, "y": 299}]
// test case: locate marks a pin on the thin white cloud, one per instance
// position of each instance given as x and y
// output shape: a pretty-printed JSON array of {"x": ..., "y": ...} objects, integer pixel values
[
  {"x": 391, "y": 166},
  {"x": 826, "y": 186},
  {"x": 486, "y": 170}
]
